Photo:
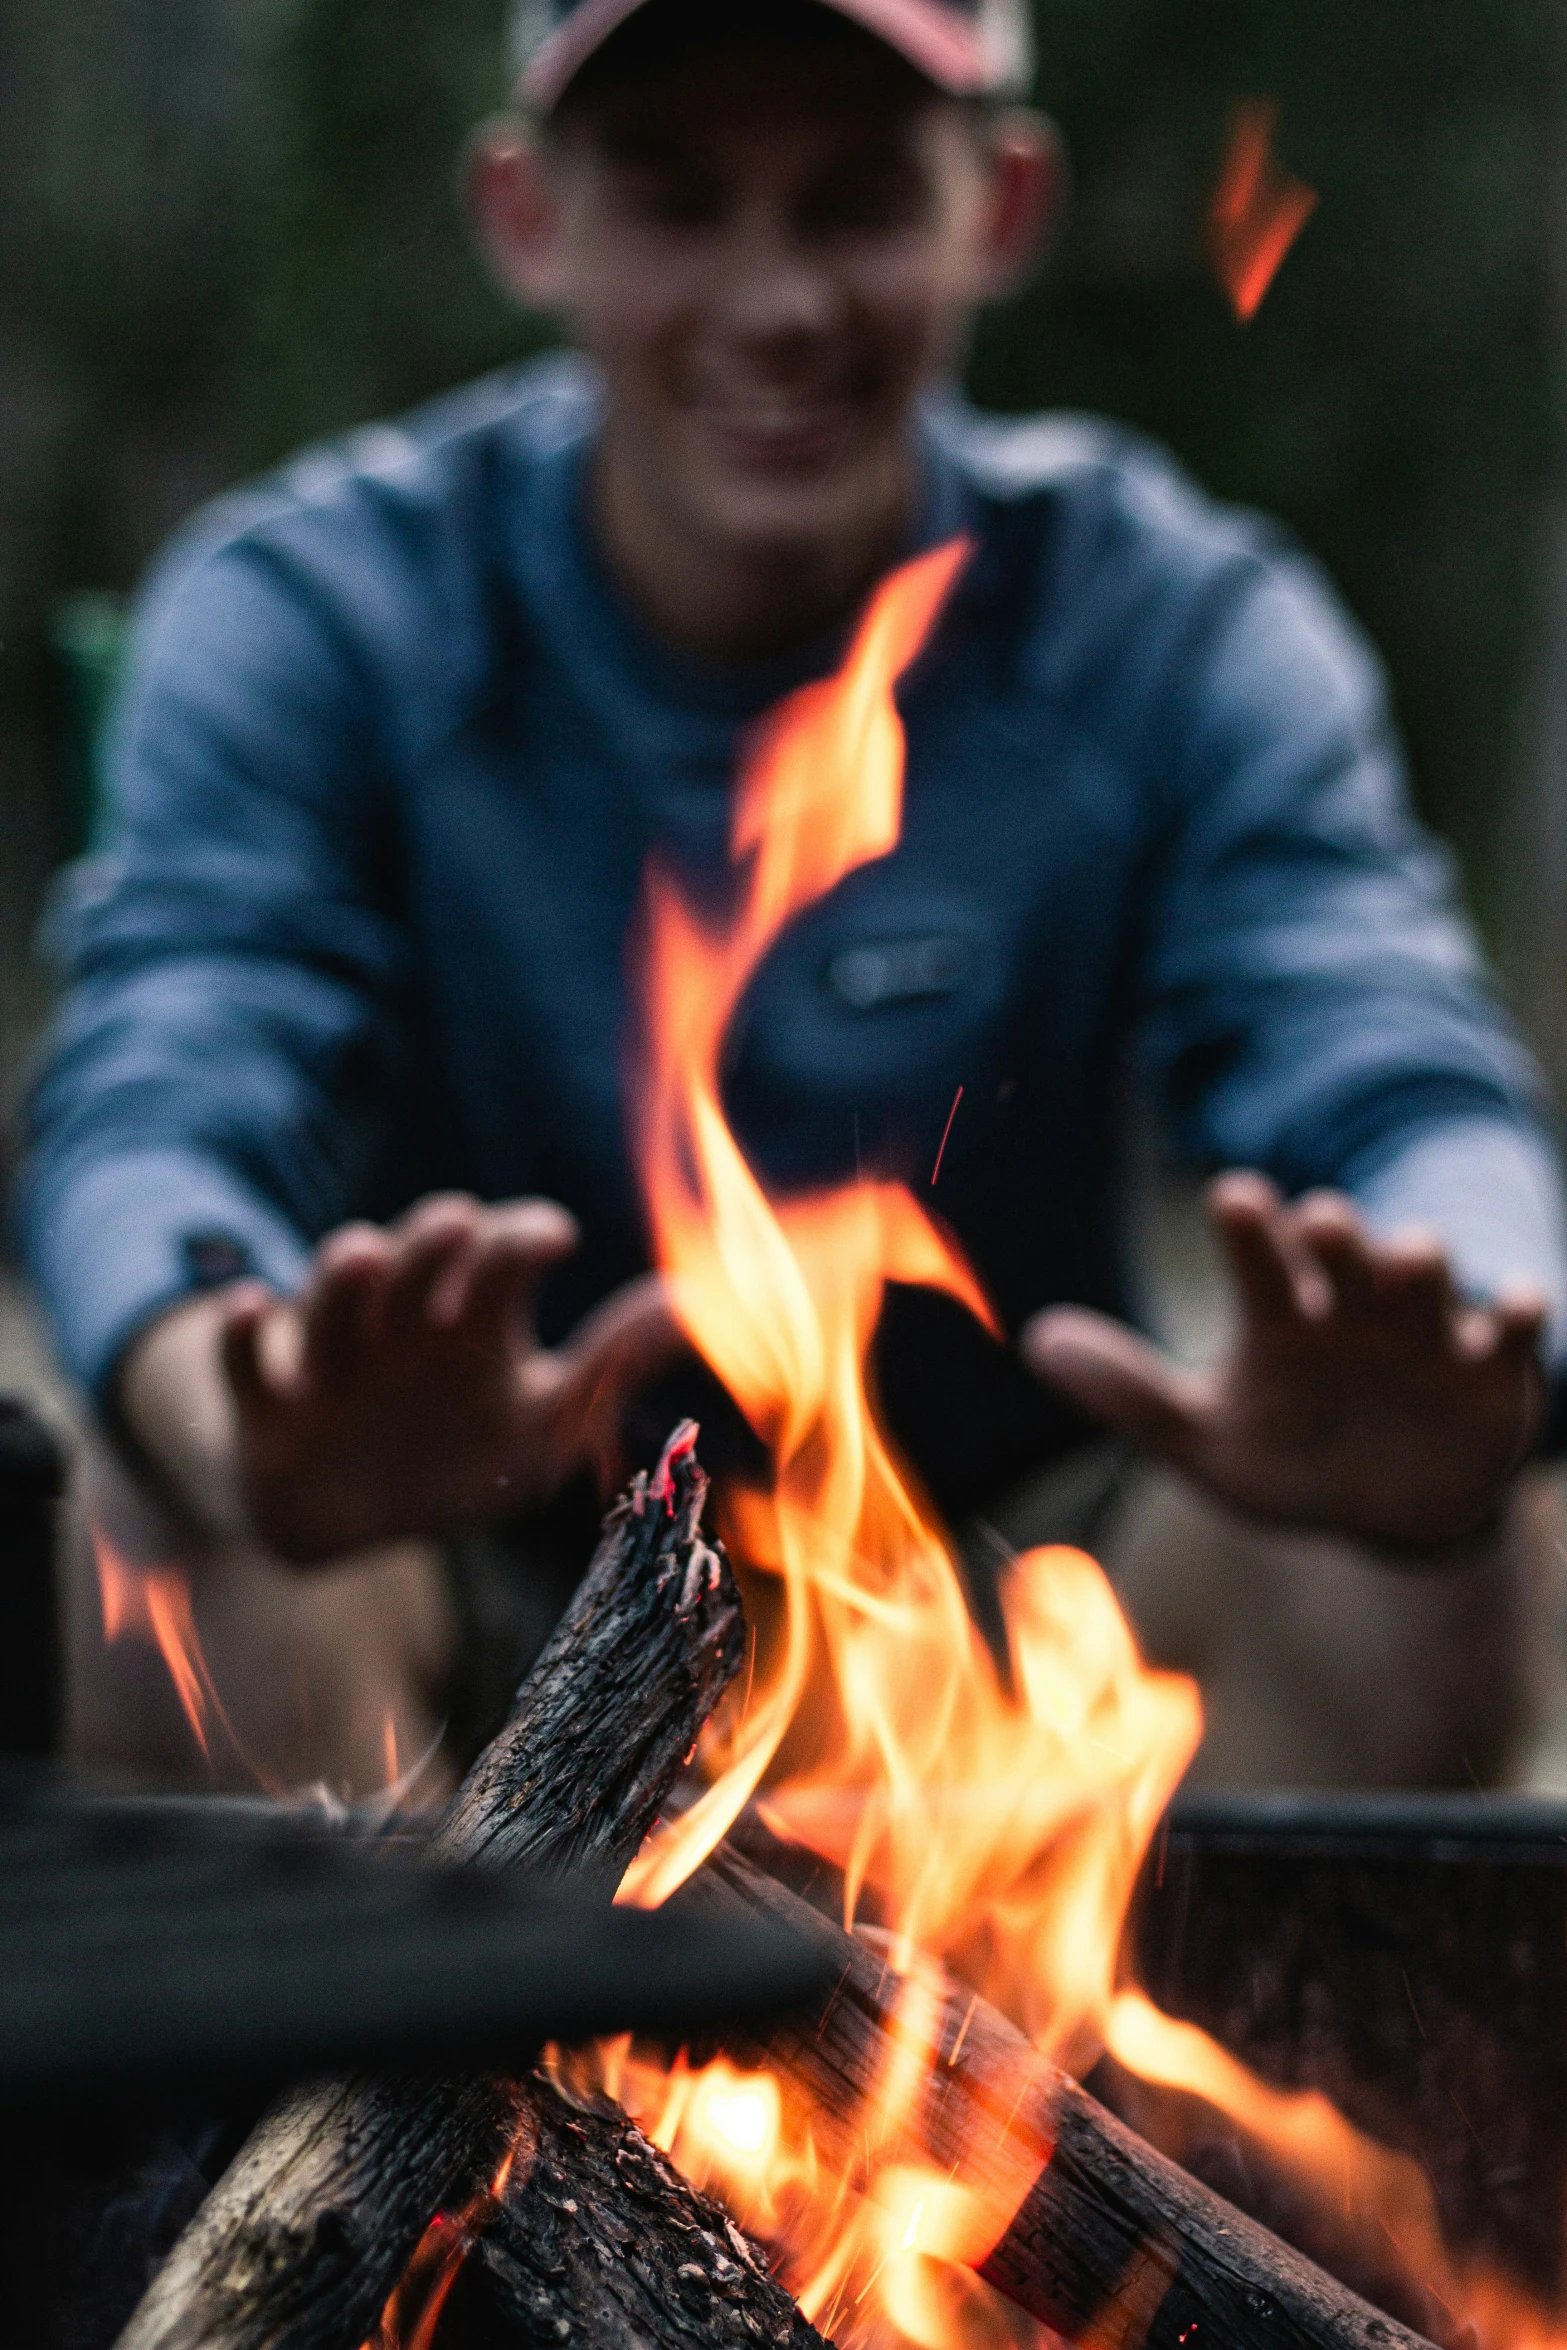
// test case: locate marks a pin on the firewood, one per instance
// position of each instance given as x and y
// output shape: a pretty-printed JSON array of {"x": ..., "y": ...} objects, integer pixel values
[
  {"x": 599, "y": 2240},
  {"x": 1112, "y": 2241},
  {"x": 304, "y": 2239}
]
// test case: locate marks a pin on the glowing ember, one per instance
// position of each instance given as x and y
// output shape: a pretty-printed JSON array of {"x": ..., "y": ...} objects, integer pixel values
[
  {"x": 412, "y": 2316},
  {"x": 1258, "y": 209},
  {"x": 743, "y": 2114},
  {"x": 153, "y": 1604}
]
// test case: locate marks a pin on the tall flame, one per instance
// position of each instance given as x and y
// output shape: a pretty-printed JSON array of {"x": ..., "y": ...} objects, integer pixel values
[
  {"x": 911, "y": 1763},
  {"x": 997, "y": 1817}
]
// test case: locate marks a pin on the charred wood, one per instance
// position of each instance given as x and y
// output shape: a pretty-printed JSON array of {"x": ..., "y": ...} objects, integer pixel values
[
  {"x": 599, "y": 2240},
  {"x": 1406, "y": 1957},
  {"x": 307, "y": 2235},
  {"x": 1111, "y": 2241}
]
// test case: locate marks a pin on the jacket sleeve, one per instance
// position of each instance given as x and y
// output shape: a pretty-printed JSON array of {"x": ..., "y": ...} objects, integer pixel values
[
  {"x": 230, "y": 1069},
  {"x": 1312, "y": 999}
]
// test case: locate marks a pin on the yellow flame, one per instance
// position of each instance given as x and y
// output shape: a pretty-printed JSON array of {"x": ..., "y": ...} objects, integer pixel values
[
  {"x": 998, "y": 1817},
  {"x": 995, "y": 1817}
]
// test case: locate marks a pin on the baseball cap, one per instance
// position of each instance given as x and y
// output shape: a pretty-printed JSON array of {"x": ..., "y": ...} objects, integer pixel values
[{"x": 971, "y": 47}]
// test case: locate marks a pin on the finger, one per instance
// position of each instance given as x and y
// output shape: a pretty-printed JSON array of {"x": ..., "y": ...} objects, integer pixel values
[
  {"x": 345, "y": 1302},
  {"x": 621, "y": 1346},
  {"x": 1415, "y": 1281},
  {"x": 1328, "y": 1226},
  {"x": 1264, "y": 1259},
  {"x": 1511, "y": 1330},
  {"x": 518, "y": 1246},
  {"x": 1116, "y": 1376},
  {"x": 241, "y": 1346},
  {"x": 431, "y": 1249},
  {"x": 1523, "y": 1314},
  {"x": 432, "y": 1211}
]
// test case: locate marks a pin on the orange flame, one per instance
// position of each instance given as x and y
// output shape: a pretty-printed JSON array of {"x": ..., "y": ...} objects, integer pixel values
[
  {"x": 1258, "y": 209},
  {"x": 1375, "y": 2205},
  {"x": 874, "y": 2248},
  {"x": 999, "y": 1818},
  {"x": 911, "y": 1764},
  {"x": 412, "y": 2316},
  {"x": 153, "y": 1604}
]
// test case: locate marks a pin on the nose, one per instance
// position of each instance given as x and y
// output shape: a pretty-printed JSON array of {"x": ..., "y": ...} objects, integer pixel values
[{"x": 775, "y": 290}]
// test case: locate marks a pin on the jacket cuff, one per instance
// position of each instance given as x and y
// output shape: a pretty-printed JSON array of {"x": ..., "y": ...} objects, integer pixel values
[{"x": 119, "y": 1241}]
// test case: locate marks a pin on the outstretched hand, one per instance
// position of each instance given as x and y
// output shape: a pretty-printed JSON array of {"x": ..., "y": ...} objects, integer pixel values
[
  {"x": 405, "y": 1391},
  {"x": 1362, "y": 1395}
]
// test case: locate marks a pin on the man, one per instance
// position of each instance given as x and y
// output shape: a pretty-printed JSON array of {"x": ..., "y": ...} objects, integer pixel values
[{"x": 334, "y": 1123}]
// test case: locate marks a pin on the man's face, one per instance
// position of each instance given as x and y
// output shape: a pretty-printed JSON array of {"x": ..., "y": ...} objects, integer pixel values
[{"x": 768, "y": 254}]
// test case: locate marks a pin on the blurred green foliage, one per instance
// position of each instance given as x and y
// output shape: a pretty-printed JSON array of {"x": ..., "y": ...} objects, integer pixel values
[
  {"x": 361, "y": 290},
  {"x": 238, "y": 226}
]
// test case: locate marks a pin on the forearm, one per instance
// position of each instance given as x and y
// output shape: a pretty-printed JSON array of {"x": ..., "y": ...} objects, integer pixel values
[{"x": 177, "y": 1409}]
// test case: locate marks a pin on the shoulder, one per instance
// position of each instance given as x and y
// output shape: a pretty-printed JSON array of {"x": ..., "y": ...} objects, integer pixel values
[
  {"x": 1102, "y": 490},
  {"x": 1125, "y": 577},
  {"x": 380, "y": 545},
  {"x": 407, "y": 476}
]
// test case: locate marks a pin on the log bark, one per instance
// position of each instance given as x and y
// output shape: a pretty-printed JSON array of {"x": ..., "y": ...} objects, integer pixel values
[
  {"x": 1112, "y": 2243},
  {"x": 309, "y": 2232},
  {"x": 599, "y": 2240}
]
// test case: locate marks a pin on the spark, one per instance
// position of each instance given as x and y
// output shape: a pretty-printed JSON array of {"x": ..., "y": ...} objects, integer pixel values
[
  {"x": 1258, "y": 209},
  {"x": 946, "y": 1138},
  {"x": 1414, "y": 2011},
  {"x": 957, "y": 2045}
]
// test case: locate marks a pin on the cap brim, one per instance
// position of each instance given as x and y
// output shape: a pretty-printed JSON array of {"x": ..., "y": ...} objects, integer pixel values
[{"x": 953, "y": 55}]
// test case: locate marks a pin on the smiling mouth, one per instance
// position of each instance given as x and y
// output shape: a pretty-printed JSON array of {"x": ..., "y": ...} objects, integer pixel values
[{"x": 781, "y": 438}]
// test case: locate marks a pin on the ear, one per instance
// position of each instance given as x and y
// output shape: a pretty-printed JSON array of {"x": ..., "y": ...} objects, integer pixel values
[
  {"x": 514, "y": 212},
  {"x": 1029, "y": 191}
]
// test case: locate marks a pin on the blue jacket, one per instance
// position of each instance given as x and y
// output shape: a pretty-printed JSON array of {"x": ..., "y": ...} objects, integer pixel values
[{"x": 392, "y": 760}]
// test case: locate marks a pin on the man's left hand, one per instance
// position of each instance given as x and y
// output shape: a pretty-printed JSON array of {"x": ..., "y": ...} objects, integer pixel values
[{"x": 1361, "y": 1394}]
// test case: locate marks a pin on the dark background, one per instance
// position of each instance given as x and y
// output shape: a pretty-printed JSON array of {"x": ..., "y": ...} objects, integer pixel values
[{"x": 227, "y": 226}]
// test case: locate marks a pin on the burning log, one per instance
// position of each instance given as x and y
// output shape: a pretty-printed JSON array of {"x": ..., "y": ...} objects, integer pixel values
[
  {"x": 577, "y": 2221},
  {"x": 310, "y": 2230},
  {"x": 1112, "y": 2243},
  {"x": 599, "y": 2239}
]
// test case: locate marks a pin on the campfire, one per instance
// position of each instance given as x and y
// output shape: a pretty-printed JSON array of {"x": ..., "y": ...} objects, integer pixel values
[{"x": 915, "y": 2160}]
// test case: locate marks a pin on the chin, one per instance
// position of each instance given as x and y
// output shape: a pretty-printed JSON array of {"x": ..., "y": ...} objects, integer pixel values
[{"x": 773, "y": 520}]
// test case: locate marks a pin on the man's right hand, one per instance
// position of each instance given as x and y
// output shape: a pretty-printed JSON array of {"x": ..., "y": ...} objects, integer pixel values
[{"x": 404, "y": 1392}]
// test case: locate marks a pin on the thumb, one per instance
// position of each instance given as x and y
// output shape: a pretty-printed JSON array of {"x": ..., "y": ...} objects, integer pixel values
[
  {"x": 1115, "y": 1376},
  {"x": 240, "y": 1346}
]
